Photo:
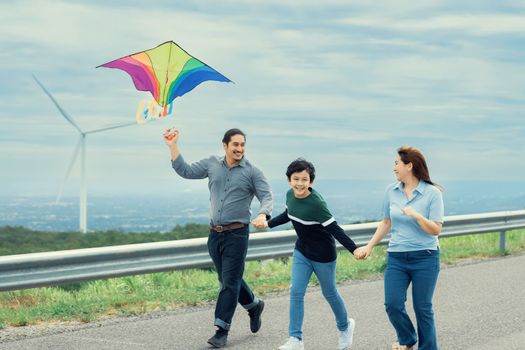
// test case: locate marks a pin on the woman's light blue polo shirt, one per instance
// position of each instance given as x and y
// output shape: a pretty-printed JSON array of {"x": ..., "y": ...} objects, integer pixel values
[{"x": 406, "y": 234}]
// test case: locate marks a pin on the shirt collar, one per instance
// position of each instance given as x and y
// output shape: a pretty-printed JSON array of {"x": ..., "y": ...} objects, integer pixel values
[
  {"x": 421, "y": 187},
  {"x": 399, "y": 186},
  {"x": 242, "y": 162}
]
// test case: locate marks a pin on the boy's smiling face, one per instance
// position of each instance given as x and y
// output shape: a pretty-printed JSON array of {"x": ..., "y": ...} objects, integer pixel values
[{"x": 300, "y": 182}]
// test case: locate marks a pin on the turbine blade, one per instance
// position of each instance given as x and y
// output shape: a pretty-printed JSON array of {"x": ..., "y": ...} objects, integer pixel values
[
  {"x": 109, "y": 127},
  {"x": 60, "y": 109},
  {"x": 70, "y": 167}
]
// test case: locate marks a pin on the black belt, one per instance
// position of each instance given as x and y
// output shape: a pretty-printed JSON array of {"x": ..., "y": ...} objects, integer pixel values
[{"x": 229, "y": 227}]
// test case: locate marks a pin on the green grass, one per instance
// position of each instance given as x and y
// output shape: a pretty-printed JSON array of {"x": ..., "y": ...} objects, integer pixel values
[
  {"x": 136, "y": 295},
  {"x": 21, "y": 240}
]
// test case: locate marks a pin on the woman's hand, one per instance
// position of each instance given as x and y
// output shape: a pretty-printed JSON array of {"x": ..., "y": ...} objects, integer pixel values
[
  {"x": 410, "y": 212},
  {"x": 430, "y": 227},
  {"x": 363, "y": 252}
]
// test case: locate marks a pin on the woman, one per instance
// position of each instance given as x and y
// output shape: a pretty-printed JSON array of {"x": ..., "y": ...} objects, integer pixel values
[{"x": 413, "y": 214}]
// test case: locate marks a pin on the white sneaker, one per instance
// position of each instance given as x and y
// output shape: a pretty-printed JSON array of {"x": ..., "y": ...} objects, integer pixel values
[
  {"x": 292, "y": 344},
  {"x": 397, "y": 346},
  {"x": 346, "y": 337}
]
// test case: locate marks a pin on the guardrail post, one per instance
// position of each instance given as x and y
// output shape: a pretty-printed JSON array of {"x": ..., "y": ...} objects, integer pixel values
[{"x": 502, "y": 241}]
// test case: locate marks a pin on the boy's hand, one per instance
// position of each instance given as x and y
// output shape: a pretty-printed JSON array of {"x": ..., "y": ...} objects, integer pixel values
[
  {"x": 362, "y": 253},
  {"x": 260, "y": 221}
]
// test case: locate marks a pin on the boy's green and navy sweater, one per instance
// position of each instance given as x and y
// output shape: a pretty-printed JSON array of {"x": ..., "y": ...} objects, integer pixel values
[{"x": 315, "y": 227}]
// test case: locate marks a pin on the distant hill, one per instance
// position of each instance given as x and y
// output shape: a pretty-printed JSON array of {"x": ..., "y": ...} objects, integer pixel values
[{"x": 349, "y": 201}]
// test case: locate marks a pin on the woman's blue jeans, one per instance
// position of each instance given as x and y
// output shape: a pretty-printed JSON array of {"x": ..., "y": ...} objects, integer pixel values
[
  {"x": 421, "y": 268},
  {"x": 228, "y": 252},
  {"x": 302, "y": 269}
]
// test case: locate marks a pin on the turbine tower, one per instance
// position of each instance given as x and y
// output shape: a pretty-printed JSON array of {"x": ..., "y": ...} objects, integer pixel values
[{"x": 80, "y": 148}]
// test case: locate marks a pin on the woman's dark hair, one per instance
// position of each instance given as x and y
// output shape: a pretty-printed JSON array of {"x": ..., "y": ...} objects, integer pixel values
[
  {"x": 299, "y": 165},
  {"x": 232, "y": 132},
  {"x": 419, "y": 165}
]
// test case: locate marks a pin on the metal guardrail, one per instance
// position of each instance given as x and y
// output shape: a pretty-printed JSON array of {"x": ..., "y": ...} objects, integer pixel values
[{"x": 52, "y": 268}]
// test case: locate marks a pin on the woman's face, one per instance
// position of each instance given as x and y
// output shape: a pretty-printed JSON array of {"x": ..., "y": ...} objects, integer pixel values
[{"x": 401, "y": 170}]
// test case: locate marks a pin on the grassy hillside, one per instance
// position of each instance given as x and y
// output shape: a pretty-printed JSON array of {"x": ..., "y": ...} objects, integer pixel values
[{"x": 20, "y": 240}]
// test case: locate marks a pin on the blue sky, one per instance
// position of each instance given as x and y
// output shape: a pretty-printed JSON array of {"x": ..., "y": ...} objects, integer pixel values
[{"x": 340, "y": 83}]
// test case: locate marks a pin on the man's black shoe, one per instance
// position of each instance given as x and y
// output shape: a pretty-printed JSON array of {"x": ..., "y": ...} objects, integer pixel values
[
  {"x": 219, "y": 339},
  {"x": 255, "y": 317}
]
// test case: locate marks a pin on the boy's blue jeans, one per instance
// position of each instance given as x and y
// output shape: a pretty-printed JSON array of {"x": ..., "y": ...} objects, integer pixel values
[
  {"x": 302, "y": 269},
  {"x": 421, "y": 268}
]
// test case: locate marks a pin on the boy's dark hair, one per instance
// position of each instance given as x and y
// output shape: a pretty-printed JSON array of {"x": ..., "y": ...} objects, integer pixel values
[
  {"x": 232, "y": 132},
  {"x": 299, "y": 165}
]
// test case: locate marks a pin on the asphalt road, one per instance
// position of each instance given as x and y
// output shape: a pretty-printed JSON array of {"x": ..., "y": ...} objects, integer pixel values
[{"x": 478, "y": 306}]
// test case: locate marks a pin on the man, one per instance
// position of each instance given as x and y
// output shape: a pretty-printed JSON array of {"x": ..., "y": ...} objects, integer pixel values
[{"x": 233, "y": 182}]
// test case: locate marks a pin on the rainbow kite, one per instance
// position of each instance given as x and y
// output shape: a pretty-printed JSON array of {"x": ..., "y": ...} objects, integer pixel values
[{"x": 167, "y": 71}]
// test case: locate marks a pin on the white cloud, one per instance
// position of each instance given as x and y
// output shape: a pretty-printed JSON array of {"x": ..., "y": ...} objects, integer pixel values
[
  {"x": 318, "y": 135},
  {"x": 473, "y": 24},
  {"x": 320, "y": 80}
]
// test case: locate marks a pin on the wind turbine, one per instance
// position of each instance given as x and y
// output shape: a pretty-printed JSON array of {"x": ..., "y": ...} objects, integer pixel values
[{"x": 80, "y": 148}]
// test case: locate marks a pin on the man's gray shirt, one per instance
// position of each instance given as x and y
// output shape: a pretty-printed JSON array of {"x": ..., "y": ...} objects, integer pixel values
[{"x": 231, "y": 189}]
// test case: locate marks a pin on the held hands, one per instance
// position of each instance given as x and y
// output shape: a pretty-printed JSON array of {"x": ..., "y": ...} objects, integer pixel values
[
  {"x": 260, "y": 221},
  {"x": 362, "y": 253}
]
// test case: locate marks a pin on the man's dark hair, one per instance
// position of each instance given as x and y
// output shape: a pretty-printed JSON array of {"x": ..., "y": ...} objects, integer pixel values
[
  {"x": 232, "y": 132},
  {"x": 299, "y": 165}
]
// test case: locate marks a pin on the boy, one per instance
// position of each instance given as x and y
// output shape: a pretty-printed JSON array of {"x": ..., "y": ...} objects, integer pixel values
[{"x": 314, "y": 252}]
